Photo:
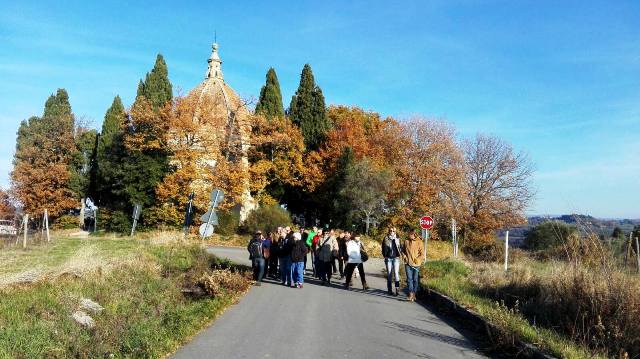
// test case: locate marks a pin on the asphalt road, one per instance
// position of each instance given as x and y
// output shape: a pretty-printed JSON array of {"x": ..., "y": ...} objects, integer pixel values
[{"x": 274, "y": 321}]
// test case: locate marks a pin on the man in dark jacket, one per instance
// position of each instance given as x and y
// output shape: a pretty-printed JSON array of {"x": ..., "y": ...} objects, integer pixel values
[
  {"x": 298, "y": 254},
  {"x": 284, "y": 255},
  {"x": 256, "y": 254}
]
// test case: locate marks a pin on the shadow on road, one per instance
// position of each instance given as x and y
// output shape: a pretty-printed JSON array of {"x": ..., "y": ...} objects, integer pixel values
[{"x": 409, "y": 329}]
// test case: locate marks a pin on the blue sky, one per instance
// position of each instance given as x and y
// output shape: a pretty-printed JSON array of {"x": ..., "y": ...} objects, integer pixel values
[{"x": 558, "y": 79}]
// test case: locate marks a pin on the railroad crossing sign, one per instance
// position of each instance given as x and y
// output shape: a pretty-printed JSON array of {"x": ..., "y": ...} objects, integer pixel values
[{"x": 426, "y": 222}]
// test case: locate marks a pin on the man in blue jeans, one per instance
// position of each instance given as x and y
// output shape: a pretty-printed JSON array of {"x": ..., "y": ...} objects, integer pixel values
[
  {"x": 413, "y": 257},
  {"x": 256, "y": 254},
  {"x": 391, "y": 254},
  {"x": 298, "y": 254}
]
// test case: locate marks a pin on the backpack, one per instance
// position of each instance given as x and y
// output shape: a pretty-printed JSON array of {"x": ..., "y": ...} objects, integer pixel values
[{"x": 255, "y": 249}]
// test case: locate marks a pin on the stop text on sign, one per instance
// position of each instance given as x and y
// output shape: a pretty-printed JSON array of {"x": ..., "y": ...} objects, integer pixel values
[{"x": 426, "y": 222}]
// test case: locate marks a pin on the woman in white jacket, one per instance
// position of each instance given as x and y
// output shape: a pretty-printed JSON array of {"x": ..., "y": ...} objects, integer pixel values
[{"x": 354, "y": 246}]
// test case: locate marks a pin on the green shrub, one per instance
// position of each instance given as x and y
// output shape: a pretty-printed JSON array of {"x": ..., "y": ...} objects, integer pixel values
[
  {"x": 267, "y": 218},
  {"x": 66, "y": 222},
  {"x": 484, "y": 251},
  {"x": 446, "y": 267},
  {"x": 115, "y": 221},
  {"x": 228, "y": 222},
  {"x": 548, "y": 235}
]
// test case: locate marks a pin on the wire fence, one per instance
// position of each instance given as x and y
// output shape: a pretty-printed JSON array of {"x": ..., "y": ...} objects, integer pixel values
[{"x": 14, "y": 233}]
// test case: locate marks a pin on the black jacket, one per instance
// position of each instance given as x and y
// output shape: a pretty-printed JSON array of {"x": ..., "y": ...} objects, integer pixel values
[
  {"x": 284, "y": 249},
  {"x": 299, "y": 251}
]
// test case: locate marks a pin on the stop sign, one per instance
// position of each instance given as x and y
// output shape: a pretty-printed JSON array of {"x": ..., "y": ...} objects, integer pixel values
[{"x": 426, "y": 222}]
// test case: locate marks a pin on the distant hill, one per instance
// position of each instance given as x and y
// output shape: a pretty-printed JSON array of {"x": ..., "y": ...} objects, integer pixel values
[{"x": 586, "y": 223}]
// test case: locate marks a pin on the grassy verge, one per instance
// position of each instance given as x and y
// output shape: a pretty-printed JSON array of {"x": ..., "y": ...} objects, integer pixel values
[
  {"x": 454, "y": 279},
  {"x": 140, "y": 284}
]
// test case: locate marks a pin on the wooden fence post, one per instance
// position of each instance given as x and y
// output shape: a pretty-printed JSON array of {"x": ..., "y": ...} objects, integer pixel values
[
  {"x": 46, "y": 224},
  {"x": 506, "y": 251},
  {"x": 25, "y": 230},
  {"x": 638, "y": 254}
]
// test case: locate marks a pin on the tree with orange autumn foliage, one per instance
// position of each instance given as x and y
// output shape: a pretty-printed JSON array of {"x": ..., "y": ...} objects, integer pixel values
[
  {"x": 45, "y": 150},
  {"x": 430, "y": 176},
  {"x": 201, "y": 158},
  {"x": 275, "y": 157},
  {"x": 7, "y": 207}
]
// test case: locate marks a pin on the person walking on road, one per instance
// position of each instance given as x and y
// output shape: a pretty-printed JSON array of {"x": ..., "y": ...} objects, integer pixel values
[
  {"x": 256, "y": 255},
  {"x": 413, "y": 257},
  {"x": 391, "y": 254},
  {"x": 342, "y": 251},
  {"x": 284, "y": 256},
  {"x": 327, "y": 250},
  {"x": 298, "y": 254},
  {"x": 314, "y": 252},
  {"x": 355, "y": 260},
  {"x": 272, "y": 266}
]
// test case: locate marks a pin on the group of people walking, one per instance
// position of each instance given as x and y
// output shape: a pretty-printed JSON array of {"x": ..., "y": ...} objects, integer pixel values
[{"x": 282, "y": 255}]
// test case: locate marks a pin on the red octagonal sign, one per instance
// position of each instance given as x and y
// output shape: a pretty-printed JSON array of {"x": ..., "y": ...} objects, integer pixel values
[{"x": 426, "y": 222}]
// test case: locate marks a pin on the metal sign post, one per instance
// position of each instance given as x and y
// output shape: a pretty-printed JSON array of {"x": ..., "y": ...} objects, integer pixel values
[
  {"x": 425, "y": 236},
  {"x": 216, "y": 197},
  {"x": 136, "y": 215},
  {"x": 426, "y": 222},
  {"x": 187, "y": 215}
]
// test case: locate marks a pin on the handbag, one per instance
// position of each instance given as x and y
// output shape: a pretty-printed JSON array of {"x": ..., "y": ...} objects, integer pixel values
[{"x": 363, "y": 254}]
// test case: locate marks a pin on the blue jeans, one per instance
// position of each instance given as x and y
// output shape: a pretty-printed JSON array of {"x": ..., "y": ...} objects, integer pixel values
[
  {"x": 285, "y": 270},
  {"x": 393, "y": 270},
  {"x": 258, "y": 268},
  {"x": 298, "y": 272},
  {"x": 412, "y": 278}
]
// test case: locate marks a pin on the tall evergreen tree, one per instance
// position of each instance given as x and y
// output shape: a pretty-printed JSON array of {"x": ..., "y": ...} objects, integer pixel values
[
  {"x": 156, "y": 86},
  {"x": 144, "y": 167},
  {"x": 270, "y": 102},
  {"x": 111, "y": 155},
  {"x": 308, "y": 110}
]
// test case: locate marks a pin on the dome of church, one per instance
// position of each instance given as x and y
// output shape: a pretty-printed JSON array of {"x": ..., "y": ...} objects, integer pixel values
[{"x": 226, "y": 125}]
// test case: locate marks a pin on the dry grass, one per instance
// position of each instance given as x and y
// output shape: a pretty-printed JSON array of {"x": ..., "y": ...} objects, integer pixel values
[
  {"x": 585, "y": 297},
  {"x": 141, "y": 286}
]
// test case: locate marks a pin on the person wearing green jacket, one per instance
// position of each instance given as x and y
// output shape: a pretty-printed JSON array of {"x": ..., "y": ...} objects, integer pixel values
[{"x": 309, "y": 241}]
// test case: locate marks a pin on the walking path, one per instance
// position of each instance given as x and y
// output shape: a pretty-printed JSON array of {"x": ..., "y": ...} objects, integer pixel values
[{"x": 274, "y": 321}]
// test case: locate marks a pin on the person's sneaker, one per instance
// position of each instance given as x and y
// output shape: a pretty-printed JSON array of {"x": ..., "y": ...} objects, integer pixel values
[
  {"x": 365, "y": 286},
  {"x": 389, "y": 292}
]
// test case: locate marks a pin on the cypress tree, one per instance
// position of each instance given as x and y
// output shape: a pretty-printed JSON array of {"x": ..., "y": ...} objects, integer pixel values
[
  {"x": 308, "y": 111},
  {"x": 143, "y": 168},
  {"x": 111, "y": 155},
  {"x": 270, "y": 102},
  {"x": 156, "y": 86}
]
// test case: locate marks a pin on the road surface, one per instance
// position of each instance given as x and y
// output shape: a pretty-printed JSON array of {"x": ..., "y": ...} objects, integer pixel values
[{"x": 274, "y": 321}]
